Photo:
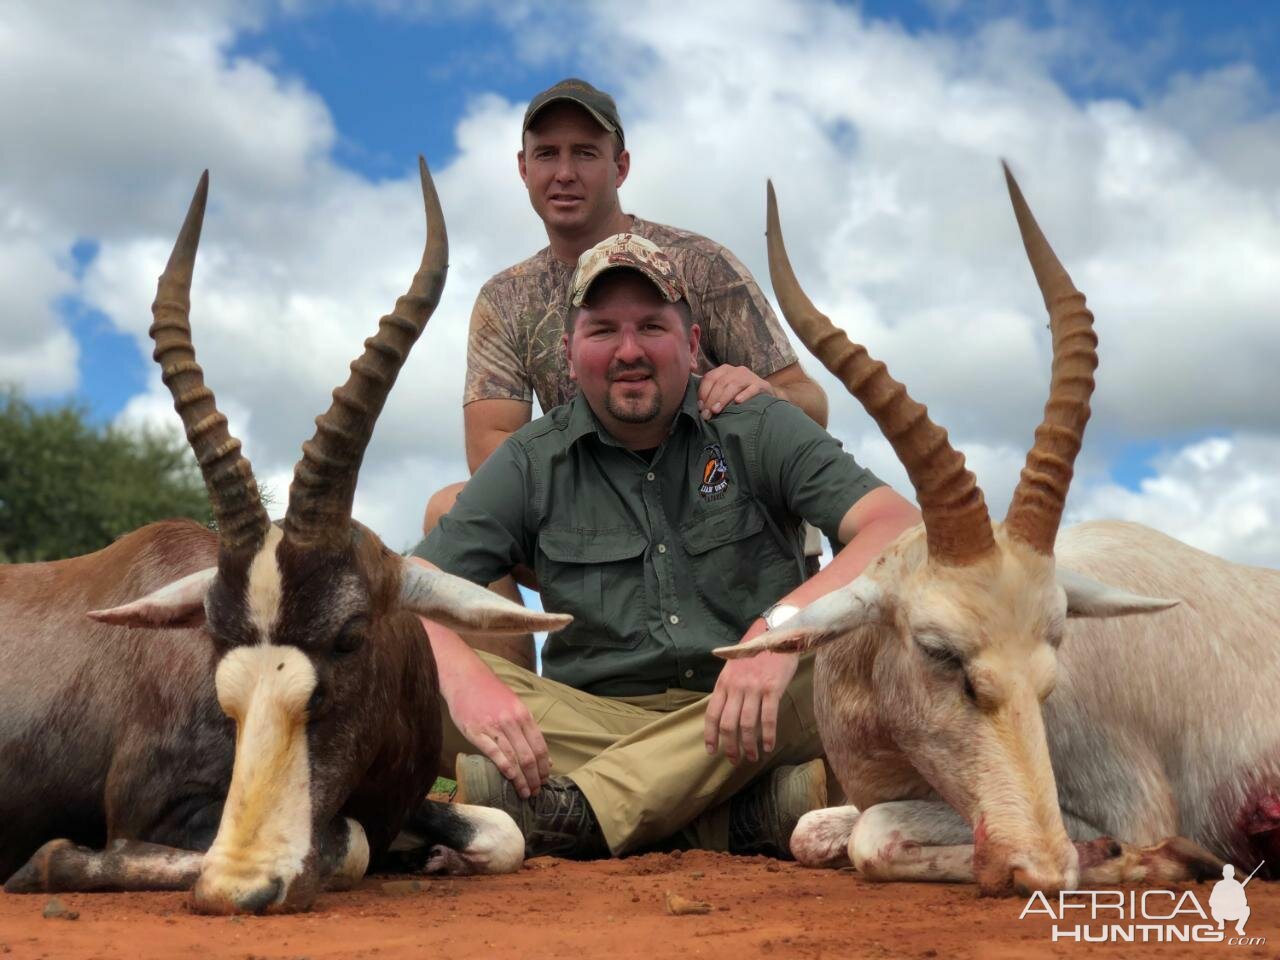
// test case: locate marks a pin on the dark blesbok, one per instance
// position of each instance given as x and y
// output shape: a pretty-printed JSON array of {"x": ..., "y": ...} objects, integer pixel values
[
  {"x": 253, "y": 713},
  {"x": 985, "y": 704}
]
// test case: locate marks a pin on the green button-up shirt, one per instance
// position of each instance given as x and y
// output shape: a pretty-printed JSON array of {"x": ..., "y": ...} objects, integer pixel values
[{"x": 659, "y": 560}]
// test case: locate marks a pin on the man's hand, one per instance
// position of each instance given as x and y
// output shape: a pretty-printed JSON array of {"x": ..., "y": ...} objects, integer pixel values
[
  {"x": 494, "y": 720},
  {"x": 728, "y": 384},
  {"x": 743, "y": 708}
]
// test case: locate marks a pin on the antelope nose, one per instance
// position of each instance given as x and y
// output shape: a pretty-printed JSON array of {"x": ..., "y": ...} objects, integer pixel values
[
  {"x": 1029, "y": 880},
  {"x": 255, "y": 901}
]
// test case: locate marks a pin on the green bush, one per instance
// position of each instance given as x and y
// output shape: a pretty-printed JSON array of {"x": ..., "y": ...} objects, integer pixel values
[{"x": 67, "y": 487}]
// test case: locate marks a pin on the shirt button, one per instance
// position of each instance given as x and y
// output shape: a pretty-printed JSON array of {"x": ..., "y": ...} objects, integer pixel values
[
  {"x": 662, "y": 548},
  {"x": 673, "y": 619},
  {"x": 688, "y": 674},
  {"x": 649, "y": 475}
]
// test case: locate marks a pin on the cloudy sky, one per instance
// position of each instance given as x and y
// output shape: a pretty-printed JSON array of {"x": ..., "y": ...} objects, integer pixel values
[{"x": 1148, "y": 143}]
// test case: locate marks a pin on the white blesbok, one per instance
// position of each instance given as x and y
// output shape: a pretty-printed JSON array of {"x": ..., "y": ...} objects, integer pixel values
[{"x": 985, "y": 702}]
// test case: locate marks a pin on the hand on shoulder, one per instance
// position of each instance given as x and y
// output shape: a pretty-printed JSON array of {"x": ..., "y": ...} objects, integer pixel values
[{"x": 728, "y": 384}]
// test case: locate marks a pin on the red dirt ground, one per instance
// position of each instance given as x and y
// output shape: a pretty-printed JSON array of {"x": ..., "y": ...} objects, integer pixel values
[{"x": 573, "y": 911}]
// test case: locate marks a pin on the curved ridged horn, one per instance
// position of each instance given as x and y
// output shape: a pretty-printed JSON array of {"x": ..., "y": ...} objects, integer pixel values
[
  {"x": 233, "y": 494},
  {"x": 324, "y": 480},
  {"x": 956, "y": 521},
  {"x": 1036, "y": 508}
]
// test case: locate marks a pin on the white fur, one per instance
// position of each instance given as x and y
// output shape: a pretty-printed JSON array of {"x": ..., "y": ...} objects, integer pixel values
[
  {"x": 356, "y": 861},
  {"x": 265, "y": 586},
  {"x": 265, "y": 833},
  {"x": 821, "y": 838},
  {"x": 498, "y": 846},
  {"x": 1156, "y": 726}
]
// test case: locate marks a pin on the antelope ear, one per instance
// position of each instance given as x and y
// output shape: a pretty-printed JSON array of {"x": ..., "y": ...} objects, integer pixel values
[
  {"x": 461, "y": 605},
  {"x": 1087, "y": 597},
  {"x": 179, "y": 604},
  {"x": 828, "y": 618}
]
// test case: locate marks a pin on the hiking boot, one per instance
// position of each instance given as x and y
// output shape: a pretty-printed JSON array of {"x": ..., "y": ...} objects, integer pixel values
[
  {"x": 762, "y": 817},
  {"x": 557, "y": 822}
]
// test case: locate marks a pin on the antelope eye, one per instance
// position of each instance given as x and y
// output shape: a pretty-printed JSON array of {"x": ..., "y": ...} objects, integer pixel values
[
  {"x": 948, "y": 659},
  {"x": 942, "y": 656},
  {"x": 350, "y": 637}
]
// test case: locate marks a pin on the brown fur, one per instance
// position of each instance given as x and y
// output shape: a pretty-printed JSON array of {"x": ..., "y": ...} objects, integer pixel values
[{"x": 111, "y": 734}]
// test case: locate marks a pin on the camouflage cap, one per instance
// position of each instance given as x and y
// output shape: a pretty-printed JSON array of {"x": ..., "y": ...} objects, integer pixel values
[
  {"x": 626, "y": 251},
  {"x": 596, "y": 102}
]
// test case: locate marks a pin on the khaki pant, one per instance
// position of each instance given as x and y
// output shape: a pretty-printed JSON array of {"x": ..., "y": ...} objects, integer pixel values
[{"x": 641, "y": 761}]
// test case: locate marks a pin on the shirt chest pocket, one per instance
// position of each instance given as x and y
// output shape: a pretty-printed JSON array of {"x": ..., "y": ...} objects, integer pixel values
[
  {"x": 598, "y": 576},
  {"x": 739, "y": 567}
]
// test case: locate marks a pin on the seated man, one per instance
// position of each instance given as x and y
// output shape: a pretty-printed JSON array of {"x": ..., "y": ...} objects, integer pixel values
[
  {"x": 665, "y": 535},
  {"x": 573, "y": 160}
]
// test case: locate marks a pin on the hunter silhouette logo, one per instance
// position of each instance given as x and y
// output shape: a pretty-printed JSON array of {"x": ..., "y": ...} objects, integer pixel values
[
  {"x": 1229, "y": 901},
  {"x": 715, "y": 472}
]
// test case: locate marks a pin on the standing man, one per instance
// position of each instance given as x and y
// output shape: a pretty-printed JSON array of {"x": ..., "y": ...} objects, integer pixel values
[
  {"x": 666, "y": 534},
  {"x": 573, "y": 159}
]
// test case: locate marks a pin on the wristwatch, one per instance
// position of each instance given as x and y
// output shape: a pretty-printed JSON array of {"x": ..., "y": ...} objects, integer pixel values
[{"x": 778, "y": 614}]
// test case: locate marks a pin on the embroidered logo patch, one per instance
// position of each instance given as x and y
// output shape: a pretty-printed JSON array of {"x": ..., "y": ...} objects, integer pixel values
[{"x": 715, "y": 472}]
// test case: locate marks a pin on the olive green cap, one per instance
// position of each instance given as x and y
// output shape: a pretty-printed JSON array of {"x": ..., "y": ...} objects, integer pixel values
[{"x": 596, "y": 102}]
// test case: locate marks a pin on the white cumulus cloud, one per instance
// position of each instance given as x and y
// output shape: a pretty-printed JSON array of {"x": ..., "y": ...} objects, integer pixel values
[{"x": 883, "y": 144}]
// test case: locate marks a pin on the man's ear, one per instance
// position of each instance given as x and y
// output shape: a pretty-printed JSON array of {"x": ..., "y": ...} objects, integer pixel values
[
  {"x": 624, "y": 167},
  {"x": 568, "y": 355},
  {"x": 524, "y": 173},
  {"x": 695, "y": 340}
]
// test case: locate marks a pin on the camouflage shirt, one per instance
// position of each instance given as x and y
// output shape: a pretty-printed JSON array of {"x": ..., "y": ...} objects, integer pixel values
[{"x": 514, "y": 349}]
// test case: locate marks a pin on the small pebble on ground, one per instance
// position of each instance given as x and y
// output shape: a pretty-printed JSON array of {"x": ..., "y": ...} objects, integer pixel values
[
  {"x": 55, "y": 910},
  {"x": 679, "y": 906}
]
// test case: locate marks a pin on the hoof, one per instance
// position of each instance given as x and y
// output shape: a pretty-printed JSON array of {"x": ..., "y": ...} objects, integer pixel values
[
  {"x": 1106, "y": 861},
  {"x": 37, "y": 874},
  {"x": 1185, "y": 860}
]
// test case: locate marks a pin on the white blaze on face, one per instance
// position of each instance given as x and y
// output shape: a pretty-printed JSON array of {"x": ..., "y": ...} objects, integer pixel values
[
  {"x": 265, "y": 586},
  {"x": 265, "y": 834}
]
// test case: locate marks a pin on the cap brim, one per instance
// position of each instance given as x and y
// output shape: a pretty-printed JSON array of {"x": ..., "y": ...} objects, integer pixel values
[
  {"x": 666, "y": 289},
  {"x": 608, "y": 125}
]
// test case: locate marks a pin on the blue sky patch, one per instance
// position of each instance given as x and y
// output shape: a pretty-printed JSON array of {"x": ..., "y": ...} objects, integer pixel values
[{"x": 416, "y": 70}]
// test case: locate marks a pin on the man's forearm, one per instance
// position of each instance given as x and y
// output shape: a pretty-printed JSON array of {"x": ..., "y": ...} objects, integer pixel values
[
  {"x": 806, "y": 395},
  {"x": 847, "y": 565},
  {"x": 455, "y": 660},
  {"x": 488, "y": 423},
  {"x": 873, "y": 534},
  {"x": 481, "y": 443}
]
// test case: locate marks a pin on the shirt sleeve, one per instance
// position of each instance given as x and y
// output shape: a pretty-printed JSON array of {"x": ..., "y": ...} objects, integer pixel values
[
  {"x": 808, "y": 470},
  {"x": 495, "y": 367},
  {"x": 738, "y": 325},
  {"x": 486, "y": 533}
]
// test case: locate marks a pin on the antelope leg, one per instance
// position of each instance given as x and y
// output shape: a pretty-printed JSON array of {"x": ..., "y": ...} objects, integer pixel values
[
  {"x": 61, "y": 866},
  {"x": 912, "y": 840},
  {"x": 821, "y": 838},
  {"x": 456, "y": 838}
]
